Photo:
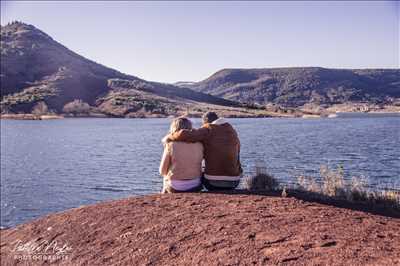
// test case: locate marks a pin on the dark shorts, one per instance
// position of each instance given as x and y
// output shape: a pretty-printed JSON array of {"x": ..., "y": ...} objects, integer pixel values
[{"x": 214, "y": 185}]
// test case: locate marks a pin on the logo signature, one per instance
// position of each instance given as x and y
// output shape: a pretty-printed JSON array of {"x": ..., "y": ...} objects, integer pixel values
[{"x": 41, "y": 250}]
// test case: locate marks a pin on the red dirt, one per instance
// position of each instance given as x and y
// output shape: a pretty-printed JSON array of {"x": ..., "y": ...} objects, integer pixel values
[{"x": 211, "y": 229}]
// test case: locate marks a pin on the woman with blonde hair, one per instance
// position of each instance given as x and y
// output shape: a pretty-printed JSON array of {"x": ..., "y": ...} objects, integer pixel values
[{"x": 181, "y": 162}]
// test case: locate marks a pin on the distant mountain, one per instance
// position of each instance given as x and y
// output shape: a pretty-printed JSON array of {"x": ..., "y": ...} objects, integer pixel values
[
  {"x": 37, "y": 69},
  {"x": 296, "y": 87},
  {"x": 39, "y": 75}
]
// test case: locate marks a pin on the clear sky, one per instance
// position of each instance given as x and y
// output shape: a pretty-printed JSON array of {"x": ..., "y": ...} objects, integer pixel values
[{"x": 175, "y": 41}]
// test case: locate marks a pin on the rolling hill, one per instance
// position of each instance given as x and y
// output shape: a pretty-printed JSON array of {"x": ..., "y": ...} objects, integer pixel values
[
  {"x": 41, "y": 76},
  {"x": 295, "y": 87},
  {"x": 38, "y": 73}
]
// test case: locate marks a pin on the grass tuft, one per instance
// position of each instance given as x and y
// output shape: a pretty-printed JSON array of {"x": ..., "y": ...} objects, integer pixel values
[{"x": 261, "y": 182}]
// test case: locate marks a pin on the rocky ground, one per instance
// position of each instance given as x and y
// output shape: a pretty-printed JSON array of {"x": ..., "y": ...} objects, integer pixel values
[{"x": 207, "y": 229}]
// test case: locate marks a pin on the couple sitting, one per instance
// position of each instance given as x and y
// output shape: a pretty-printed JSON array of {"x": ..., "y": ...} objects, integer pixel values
[{"x": 185, "y": 148}]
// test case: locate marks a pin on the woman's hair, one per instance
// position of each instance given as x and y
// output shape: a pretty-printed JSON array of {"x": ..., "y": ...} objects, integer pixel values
[{"x": 180, "y": 123}]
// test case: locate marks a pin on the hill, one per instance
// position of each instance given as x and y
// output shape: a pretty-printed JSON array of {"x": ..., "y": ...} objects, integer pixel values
[
  {"x": 205, "y": 229},
  {"x": 39, "y": 74},
  {"x": 296, "y": 87}
]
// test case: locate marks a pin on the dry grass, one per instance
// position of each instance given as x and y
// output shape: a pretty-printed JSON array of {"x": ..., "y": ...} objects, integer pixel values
[
  {"x": 261, "y": 181},
  {"x": 307, "y": 183},
  {"x": 388, "y": 198},
  {"x": 330, "y": 184},
  {"x": 333, "y": 184},
  {"x": 357, "y": 189}
]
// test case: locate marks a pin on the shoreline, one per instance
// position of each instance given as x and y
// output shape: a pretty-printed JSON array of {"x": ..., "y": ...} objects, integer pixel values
[
  {"x": 237, "y": 228},
  {"x": 271, "y": 115}
]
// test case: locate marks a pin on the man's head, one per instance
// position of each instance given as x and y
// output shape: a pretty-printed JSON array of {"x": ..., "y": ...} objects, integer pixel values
[{"x": 209, "y": 117}]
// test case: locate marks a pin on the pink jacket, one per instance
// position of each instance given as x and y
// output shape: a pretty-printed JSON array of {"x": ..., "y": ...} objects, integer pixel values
[{"x": 182, "y": 160}]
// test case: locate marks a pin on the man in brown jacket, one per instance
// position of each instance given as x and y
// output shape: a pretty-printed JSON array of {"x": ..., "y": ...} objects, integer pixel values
[{"x": 221, "y": 151}]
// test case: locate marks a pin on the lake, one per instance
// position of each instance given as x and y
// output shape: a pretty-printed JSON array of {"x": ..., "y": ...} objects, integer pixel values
[{"x": 52, "y": 165}]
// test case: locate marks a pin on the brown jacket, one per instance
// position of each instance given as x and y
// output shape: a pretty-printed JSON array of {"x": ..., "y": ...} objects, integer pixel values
[{"x": 221, "y": 147}]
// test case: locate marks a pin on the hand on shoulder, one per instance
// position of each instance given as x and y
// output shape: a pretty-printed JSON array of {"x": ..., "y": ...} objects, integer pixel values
[{"x": 166, "y": 139}]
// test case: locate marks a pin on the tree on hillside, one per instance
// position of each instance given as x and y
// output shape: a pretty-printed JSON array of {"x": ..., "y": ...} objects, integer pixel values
[
  {"x": 76, "y": 107},
  {"x": 40, "y": 108}
]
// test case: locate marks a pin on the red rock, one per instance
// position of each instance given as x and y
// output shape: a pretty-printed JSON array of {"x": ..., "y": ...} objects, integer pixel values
[{"x": 211, "y": 229}]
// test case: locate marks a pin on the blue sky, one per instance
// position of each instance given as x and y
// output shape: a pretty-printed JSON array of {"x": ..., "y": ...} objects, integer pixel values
[{"x": 175, "y": 41}]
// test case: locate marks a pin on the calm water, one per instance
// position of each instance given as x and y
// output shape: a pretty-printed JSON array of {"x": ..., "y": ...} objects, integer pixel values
[{"x": 53, "y": 165}]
